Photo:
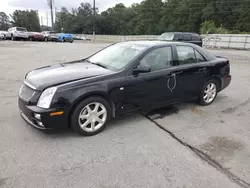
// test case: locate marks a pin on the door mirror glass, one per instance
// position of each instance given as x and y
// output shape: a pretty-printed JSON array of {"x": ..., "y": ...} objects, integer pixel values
[{"x": 142, "y": 69}]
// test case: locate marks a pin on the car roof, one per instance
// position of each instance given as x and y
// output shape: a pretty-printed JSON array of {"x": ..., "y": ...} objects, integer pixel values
[
  {"x": 190, "y": 33},
  {"x": 152, "y": 43}
]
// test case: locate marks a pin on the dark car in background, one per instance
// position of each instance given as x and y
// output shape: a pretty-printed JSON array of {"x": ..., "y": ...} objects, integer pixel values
[
  {"x": 120, "y": 79},
  {"x": 35, "y": 36},
  {"x": 182, "y": 37}
]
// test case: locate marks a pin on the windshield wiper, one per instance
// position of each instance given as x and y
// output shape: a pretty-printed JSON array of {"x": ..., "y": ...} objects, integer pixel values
[{"x": 98, "y": 64}]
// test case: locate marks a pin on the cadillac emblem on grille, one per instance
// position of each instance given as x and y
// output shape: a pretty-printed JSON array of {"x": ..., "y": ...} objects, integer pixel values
[{"x": 26, "y": 92}]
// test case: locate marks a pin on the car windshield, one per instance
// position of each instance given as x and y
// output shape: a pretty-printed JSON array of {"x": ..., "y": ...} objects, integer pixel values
[
  {"x": 117, "y": 56},
  {"x": 166, "y": 36},
  {"x": 20, "y": 29}
]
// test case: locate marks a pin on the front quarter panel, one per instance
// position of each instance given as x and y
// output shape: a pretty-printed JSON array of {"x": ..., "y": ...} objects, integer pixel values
[{"x": 69, "y": 95}]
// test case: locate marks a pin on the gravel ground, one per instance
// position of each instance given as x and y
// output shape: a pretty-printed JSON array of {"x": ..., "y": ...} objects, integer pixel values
[{"x": 182, "y": 146}]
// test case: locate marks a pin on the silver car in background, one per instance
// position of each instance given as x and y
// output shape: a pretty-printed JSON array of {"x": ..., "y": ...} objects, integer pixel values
[
  {"x": 15, "y": 33},
  {"x": 3, "y": 35}
]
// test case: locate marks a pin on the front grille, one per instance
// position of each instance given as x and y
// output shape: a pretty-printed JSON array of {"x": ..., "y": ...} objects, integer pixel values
[{"x": 26, "y": 92}]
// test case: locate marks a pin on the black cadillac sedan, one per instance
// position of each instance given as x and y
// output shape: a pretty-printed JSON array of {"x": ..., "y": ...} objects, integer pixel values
[{"x": 120, "y": 79}]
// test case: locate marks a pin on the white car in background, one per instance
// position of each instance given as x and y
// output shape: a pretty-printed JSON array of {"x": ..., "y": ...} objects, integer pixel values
[
  {"x": 15, "y": 33},
  {"x": 3, "y": 34}
]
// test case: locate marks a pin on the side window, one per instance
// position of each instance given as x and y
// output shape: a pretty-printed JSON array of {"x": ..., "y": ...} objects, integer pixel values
[
  {"x": 186, "y": 37},
  {"x": 186, "y": 55},
  {"x": 199, "y": 57},
  {"x": 178, "y": 37},
  {"x": 157, "y": 59}
]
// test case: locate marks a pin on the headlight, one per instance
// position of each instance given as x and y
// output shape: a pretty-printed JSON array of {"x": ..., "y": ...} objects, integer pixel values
[{"x": 46, "y": 97}]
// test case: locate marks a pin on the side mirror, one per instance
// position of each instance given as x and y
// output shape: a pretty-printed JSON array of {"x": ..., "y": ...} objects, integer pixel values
[{"x": 142, "y": 69}]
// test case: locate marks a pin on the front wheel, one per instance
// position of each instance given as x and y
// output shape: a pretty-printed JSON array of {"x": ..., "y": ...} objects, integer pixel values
[
  {"x": 90, "y": 116},
  {"x": 209, "y": 92}
]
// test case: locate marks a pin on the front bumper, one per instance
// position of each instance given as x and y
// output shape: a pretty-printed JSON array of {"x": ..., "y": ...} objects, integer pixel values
[{"x": 46, "y": 121}]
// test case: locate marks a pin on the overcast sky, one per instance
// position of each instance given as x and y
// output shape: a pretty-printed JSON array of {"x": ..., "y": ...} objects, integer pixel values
[{"x": 9, "y": 6}]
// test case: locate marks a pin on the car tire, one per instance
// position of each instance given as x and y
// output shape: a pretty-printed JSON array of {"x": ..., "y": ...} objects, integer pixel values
[
  {"x": 46, "y": 39},
  {"x": 87, "y": 125},
  {"x": 63, "y": 40},
  {"x": 13, "y": 38},
  {"x": 4, "y": 37},
  {"x": 30, "y": 39},
  {"x": 209, "y": 92}
]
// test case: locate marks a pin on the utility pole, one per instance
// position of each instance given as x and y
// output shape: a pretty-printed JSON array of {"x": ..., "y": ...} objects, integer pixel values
[
  {"x": 41, "y": 20},
  {"x": 47, "y": 19},
  {"x": 94, "y": 21},
  {"x": 51, "y": 5}
]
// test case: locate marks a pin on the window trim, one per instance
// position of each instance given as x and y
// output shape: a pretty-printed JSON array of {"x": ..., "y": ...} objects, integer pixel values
[{"x": 205, "y": 60}]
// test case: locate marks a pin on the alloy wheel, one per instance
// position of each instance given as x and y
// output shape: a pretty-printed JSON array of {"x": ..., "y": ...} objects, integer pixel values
[
  {"x": 210, "y": 93},
  {"x": 92, "y": 117}
]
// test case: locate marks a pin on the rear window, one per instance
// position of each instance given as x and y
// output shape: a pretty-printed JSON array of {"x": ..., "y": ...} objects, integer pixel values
[{"x": 20, "y": 29}]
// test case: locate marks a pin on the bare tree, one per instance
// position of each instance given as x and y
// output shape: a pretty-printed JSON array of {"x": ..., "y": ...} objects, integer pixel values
[{"x": 51, "y": 5}]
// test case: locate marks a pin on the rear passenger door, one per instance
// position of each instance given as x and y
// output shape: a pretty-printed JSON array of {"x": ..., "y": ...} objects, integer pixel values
[{"x": 192, "y": 71}]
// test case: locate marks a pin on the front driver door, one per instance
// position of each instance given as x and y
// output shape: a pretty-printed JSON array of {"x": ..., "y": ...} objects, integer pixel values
[{"x": 152, "y": 89}]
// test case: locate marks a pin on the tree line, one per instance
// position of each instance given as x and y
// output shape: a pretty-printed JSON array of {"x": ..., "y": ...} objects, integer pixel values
[{"x": 148, "y": 17}]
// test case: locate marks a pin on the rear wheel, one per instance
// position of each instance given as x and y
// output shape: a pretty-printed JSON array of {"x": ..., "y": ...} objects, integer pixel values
[
  {"x": 13, "y": 38},
  {"x": 90, "y": 116},
  {"x": 46, "y": 39},
  {"x": 30, "y": 39},
  {"x": 209, "y": 92}
]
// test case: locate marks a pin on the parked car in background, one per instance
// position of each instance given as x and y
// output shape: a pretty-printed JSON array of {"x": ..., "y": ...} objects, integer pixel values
[
  {"x": 79, "y": 37},
  {"x": 65, "y": 37},
  {"x": 3, "y": 35},
  {"x": 50, "y": 36},
  {"x": 182, "y": 37},
  {"x": 120, "y": 79},
  {"x": 35, "y": 36},
  {"x": 15, "y": 33}
]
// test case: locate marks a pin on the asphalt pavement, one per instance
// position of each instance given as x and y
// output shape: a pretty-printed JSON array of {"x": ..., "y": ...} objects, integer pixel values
[{"x": 182, "y": 146}]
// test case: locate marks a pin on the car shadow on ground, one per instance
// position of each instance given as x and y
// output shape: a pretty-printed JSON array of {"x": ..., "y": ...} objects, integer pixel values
[{"x": 131, "y": 119}]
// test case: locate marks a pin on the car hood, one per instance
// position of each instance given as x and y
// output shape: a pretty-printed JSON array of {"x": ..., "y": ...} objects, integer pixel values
[{"x": 52, "y": 75}]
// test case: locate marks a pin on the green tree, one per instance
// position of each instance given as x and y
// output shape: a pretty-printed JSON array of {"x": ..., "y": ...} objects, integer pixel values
[
  {"x": 27, "y": 19},
  {"x": 4, "y": 21},
  {"x": 157, "y": 16}
]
